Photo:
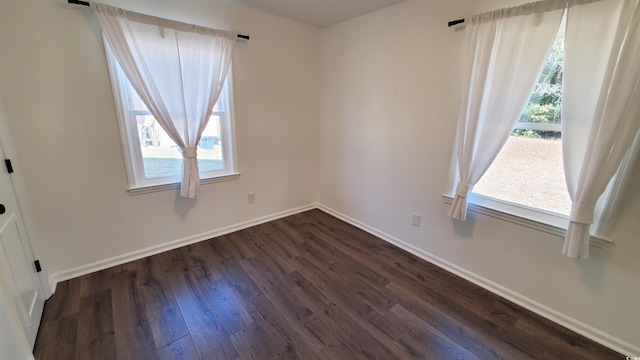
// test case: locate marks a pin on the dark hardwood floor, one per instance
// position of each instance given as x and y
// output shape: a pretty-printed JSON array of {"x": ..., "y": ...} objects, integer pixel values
[{"x": 308, "y": 286}]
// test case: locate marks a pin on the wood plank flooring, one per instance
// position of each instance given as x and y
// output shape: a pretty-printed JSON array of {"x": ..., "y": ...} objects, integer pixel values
[{"x": 308, "y": 286}]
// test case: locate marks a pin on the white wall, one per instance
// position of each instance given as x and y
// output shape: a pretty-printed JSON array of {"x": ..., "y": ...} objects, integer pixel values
[
  {"x": 390, "y": 92},
  {"x": 55, "y": 88}
]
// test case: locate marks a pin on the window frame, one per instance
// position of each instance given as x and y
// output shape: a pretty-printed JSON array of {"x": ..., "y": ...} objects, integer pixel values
[
  {"x": 539, "y": 215},
  {"x": 126, "y": 114},
  {"x": 543, "y": 220},
  {"x": 547, "y": 221},
  {"x": 537, "y": 218}
]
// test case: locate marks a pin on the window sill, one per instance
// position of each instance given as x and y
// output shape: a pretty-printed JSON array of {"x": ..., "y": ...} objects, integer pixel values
[
  {"x": 551, "y": 227},
  {"x": 173, "y": 186}
]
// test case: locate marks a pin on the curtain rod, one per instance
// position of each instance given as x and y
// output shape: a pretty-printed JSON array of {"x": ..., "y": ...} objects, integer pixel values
[
  {"x": 80, "y": 2},
  {"x": 451, "y": 23}
]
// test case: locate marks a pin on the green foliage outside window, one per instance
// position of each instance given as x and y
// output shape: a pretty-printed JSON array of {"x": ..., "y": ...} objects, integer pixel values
[{"x": 545, "y": 104}]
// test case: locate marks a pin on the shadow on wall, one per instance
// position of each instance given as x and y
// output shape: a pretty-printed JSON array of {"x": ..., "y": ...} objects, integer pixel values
[
  {"x": 595, "y": 267},
  {"x": 464, "y": 229},
  {"x": 631, "y": 193},
  {"x": 183, "y": 205}
]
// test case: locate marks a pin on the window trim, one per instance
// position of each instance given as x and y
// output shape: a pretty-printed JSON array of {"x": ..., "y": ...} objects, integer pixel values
[
  {"x": 538, "y": 126},
  {"x": 538, "y": 214},
  {"x": 546, "y": 221},
  {"x": 136, "y": 180},
  {"x": 550, "y": 223},
  {"x": 176, "y": 186}
]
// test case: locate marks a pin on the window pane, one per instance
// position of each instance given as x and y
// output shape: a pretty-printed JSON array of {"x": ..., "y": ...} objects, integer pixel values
[
  {"x": 154, "y": 158},
  {"x": 528, "y": 171},
  {"x": 545, "y": 104},
  {"x": 210, "y": 147},
  {"x": 162, "y": 157}
]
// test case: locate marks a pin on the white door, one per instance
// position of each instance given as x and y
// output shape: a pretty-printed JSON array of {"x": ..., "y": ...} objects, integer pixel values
[
  {"x": 13, "y": 342},
  {"x": 20, "y": 281}
]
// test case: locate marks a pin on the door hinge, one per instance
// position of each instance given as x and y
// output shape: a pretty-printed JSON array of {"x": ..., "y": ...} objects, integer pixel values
[
  {"x": 7, "y": 162},
  {"x": 37, "y": 264}
]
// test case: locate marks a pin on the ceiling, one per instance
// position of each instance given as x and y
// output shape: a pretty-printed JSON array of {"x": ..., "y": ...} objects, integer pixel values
[{"x": 319, "y": 13}]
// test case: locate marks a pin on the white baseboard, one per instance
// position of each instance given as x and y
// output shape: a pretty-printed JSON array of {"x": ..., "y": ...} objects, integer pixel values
[
  {"x": 55, "y": 278},
  {"x": 529, "y": 304}
]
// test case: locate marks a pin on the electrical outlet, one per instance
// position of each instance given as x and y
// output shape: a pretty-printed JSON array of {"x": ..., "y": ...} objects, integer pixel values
[
  {"x": 416, "y": 220},
  {"x": 251, "y": 197}
]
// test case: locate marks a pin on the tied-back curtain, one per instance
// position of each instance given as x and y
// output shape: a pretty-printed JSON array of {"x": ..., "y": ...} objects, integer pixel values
[
  {"x": 177, "y": 69},
  {"x": 601, "y": 112},
  {"x": 505, "y": 54}
]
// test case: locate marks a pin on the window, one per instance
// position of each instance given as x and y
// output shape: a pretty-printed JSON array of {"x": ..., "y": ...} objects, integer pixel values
[
  {"x": 599, "y": 137},
  {"x": 152, "y": 159},
  {"x": 527, "y": 178},
  {"x": 529, "y": 169}
]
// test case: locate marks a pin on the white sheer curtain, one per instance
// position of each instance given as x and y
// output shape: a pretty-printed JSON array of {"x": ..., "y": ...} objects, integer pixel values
[
  {"x": 601, "y": 112},
  {"x": 608, "y": 205},
  {"x": 177, "y": 69},
  {"x": 505, "y": 54}
]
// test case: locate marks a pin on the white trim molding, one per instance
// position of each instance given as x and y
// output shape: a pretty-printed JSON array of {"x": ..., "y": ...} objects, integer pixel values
[
  {"x": 527, "y": 303},
  {"x": 597, "y": 242},
  {"x": 176, "y": 186},
  {"x": 55, "y": 278}
]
